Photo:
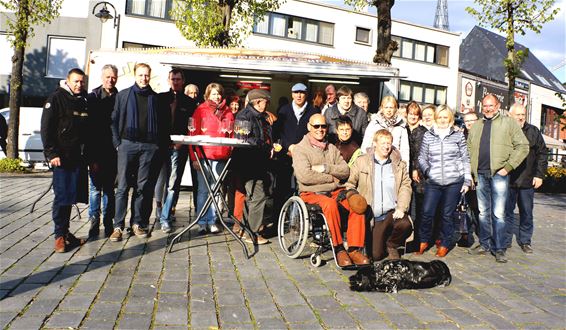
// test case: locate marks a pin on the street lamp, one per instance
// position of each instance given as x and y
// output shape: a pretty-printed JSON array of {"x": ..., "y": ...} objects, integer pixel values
[{"x": 104, "y": 15}]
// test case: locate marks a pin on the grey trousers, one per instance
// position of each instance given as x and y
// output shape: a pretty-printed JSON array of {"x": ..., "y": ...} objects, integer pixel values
[{"x": 258, "y": 196}]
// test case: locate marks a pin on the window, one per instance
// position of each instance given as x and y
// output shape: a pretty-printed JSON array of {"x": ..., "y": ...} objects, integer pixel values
[
  {"x": 65, "y": 53},
  {"x": 363, "y": 35},
  {"x": 6, "y": 55},
  {"x": 422, "y": 93},
  {"x": 149, "y": 8},
  {"x": 421, "y": 51},
  {"x": 297, "y": 28}
]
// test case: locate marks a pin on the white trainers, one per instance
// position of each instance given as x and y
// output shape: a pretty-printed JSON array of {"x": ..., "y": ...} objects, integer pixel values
[{"x": 214, "y": 229}]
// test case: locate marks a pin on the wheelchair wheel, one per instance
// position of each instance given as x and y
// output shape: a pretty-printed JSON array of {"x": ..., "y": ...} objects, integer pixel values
[
  {"x": 293, "y": 227},
  {"x": 315, "y": 260}
]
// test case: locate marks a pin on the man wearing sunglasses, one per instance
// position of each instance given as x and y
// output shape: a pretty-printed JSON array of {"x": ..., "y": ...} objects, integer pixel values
[{"x": 320, "y": 169}]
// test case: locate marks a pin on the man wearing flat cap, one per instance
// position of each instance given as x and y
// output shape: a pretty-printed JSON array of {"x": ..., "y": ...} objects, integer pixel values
[
  {"x": 289, "y": 129},
  {"x": 252, "y": 164}
]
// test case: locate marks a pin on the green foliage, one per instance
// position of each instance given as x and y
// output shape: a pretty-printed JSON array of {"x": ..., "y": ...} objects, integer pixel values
[
  {"x": 511, "y": 17},
  {"x": 219, "y": 23},
  {"x": 26, "y": 15},
  {"x": 9, "y": 165}
]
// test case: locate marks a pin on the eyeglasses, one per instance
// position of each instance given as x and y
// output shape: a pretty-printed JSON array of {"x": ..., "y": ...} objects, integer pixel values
[{"x": 317, "y": 126}]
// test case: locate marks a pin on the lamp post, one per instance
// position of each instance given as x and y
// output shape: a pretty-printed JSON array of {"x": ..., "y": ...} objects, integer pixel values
[{"x": 104, "y": 15}]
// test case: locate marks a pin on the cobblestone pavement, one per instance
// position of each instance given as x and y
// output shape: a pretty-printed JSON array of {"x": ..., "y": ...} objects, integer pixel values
[{"x": 206, "y": 282}]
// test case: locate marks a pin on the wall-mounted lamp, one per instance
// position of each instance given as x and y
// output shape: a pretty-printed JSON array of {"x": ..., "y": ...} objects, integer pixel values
[{"x": 104, "y": 15}]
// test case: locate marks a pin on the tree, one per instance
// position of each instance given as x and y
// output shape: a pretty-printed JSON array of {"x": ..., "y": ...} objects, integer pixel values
[
  {"x": 20, "y": 26},
  {"x": 385, "y": 46},
  {"x": 511, "y": 17},
  {"x": 219, "y": 23}
]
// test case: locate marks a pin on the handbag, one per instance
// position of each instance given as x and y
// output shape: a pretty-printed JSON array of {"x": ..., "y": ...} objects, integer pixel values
[{"x": 462, "y": 214}]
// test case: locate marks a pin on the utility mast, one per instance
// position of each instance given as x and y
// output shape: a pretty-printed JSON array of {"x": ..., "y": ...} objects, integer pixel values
[{"x": 441, "y": 17}]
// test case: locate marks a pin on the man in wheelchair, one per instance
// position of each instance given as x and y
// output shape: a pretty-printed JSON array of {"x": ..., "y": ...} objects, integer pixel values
[
  {"x": 388, "y": 202},
  {"x": 319, "y": 170}
]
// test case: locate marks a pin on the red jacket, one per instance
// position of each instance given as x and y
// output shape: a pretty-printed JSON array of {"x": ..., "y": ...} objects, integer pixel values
[{"x": 206, "y": 112}]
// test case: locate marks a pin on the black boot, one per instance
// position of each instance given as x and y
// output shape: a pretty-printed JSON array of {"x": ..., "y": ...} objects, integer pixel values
[{"x": 94, "y": 228}]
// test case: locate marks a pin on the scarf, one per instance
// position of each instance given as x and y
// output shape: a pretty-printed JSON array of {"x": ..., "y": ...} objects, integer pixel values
[
  {"x": 317, "y": 144},
  {"x": 132, "y": 124},
  {"x": 389, "y": 122}
]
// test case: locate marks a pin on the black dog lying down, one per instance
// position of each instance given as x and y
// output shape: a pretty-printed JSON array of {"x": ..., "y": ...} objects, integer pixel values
[{"x": 395, "y": 275}]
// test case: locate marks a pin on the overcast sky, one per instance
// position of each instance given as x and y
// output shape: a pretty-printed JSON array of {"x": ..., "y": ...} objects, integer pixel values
[{"x": 549, "y": 46}]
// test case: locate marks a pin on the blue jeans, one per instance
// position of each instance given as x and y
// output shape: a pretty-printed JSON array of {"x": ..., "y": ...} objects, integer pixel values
[
  {"x": 139, "y": 160},
  {"x": 447, "y": 197},
  {"x": 65, "y": 182},
  {"x": 102, "y": 177},
  {"x": 209, "y": 217},
  {"x": 524, "y": 198},
  {"x": 175, "y": 170},
  {"x": 492, "y": 194}
]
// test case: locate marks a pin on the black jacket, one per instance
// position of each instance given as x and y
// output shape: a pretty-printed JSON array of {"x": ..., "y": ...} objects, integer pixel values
[
  {"x": 535, "y": 164},
  {"x": 185, "y": 108},
  {"x": 288, "y": 129},
  {"x": 119, "y": 120},
  {"x": 254, "y": 162},
  {"x": 415, "y": 140},
  {"x": 99, "y": 140},
  {"x": 63, "y": 126},
  {"x": 359, "y": 122}
]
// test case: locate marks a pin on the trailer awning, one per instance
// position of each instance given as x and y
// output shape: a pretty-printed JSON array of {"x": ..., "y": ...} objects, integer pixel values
[{"x": 242, "y": 61}]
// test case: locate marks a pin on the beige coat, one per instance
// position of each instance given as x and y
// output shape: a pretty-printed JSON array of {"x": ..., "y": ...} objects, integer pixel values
[
  {"x": 361, "y": 178},
  {"x": 305, "y": 156}
]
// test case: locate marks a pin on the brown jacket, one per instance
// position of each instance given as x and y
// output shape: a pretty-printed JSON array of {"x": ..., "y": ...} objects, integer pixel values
[
  {"x": 305, "y": 156},
  {"x": 361, "y": 178}
]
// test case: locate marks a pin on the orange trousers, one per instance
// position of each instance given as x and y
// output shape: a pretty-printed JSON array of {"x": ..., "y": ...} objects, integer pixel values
[
  {"x": 239, "y": 203},
  {"x": 356, "y": 222}
]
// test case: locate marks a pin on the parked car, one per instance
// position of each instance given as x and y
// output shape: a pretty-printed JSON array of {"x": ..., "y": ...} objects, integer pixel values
[{"x": 29, "y": 141}]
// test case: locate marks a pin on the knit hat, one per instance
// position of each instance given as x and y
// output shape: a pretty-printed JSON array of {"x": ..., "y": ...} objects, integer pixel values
[{"x": 255, "y": 94}]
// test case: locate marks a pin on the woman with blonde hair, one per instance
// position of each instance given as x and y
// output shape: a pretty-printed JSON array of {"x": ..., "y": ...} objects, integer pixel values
[
  {"x": 388, "y": 119},
  {"x": 445, "y": 163}
]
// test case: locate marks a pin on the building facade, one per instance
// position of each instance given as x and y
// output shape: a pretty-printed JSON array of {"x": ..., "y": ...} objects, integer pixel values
[{"x": 427, "y": 58}]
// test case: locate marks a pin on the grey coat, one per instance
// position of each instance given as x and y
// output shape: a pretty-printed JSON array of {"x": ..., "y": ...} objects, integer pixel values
[{"x": 445, "y": 161}]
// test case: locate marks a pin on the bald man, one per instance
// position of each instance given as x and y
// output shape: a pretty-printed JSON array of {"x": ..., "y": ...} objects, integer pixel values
[
  {"x": 497, "y": 146},
  {"x": 523, "y": 181},
  {"x": 319, "y": 169}
]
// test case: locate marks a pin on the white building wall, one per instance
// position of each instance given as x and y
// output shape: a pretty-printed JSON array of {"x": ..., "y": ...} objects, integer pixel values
[{"x": 539, "y": 96}]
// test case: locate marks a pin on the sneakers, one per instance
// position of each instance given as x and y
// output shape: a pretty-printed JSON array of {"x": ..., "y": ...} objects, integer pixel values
[
  {"x": 500, "y": 257},
  {"x": 478, "y": 251},
  {"x": 60, "y": 245},
  {"x": 202, "y": 230},
  {"x": 165, "y": 228},
  {"x": 214, "y": 229},
  {"x": 71, "y": 241},
  {"x": 139, "y": 231},
  {"x": 116, "y": 235},
  {"x": 527, "y": 248}
]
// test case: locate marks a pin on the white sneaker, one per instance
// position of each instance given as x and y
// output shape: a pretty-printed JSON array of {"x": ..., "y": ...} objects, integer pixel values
[{"x": 214, "y": 229}]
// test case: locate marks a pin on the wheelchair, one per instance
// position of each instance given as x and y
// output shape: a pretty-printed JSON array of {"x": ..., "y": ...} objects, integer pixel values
[{"x": 302, "y": 230}]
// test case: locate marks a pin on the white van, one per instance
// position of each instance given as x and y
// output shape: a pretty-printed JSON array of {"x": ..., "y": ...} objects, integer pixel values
[{"x": 29, "y": 141}]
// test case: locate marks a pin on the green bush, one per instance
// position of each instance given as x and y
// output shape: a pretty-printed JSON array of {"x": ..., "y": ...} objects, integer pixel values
[
  {"x": 9, "y": 165},
  {"x": 555, "y": 180}
]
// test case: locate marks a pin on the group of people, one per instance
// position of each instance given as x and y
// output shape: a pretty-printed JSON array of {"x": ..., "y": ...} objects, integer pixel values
[{"x": 391, "y": 173}]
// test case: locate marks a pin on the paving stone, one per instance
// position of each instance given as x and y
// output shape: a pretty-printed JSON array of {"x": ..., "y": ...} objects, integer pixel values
[
  {"x": 66, "y": 319},
  {"x": 105, "y": 311},
  {"x": 297, "y": 314},
  {"x": 403, "y": 320},
  {"x": 234, "y": 314},
  {"x": 271, "y": 323},
  {"x": 461, "y": 317},
  {"x": 134, "y": 321},
  {"x": 205, "y": 319},
  {"x": 77, "y": 301},
  {"x": 28, "y": 322},
  {"x": 42, "y": 306},
  {"x": 96, "y": 324}
]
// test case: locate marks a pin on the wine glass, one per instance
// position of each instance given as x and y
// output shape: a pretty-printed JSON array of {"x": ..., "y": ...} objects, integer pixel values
[
  {"x": 246, "y": 129},
  {"x": 204, "y": 125},
  {"x": 224, "y": 126},
  {"x": 230, "y": 127},
  {"x": 191, "y": 126},
  {"x": 237, "y": 128}
]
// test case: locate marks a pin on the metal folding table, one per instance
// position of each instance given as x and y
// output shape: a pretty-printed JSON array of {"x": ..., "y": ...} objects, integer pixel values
[{"x": 214, "y": 183}]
